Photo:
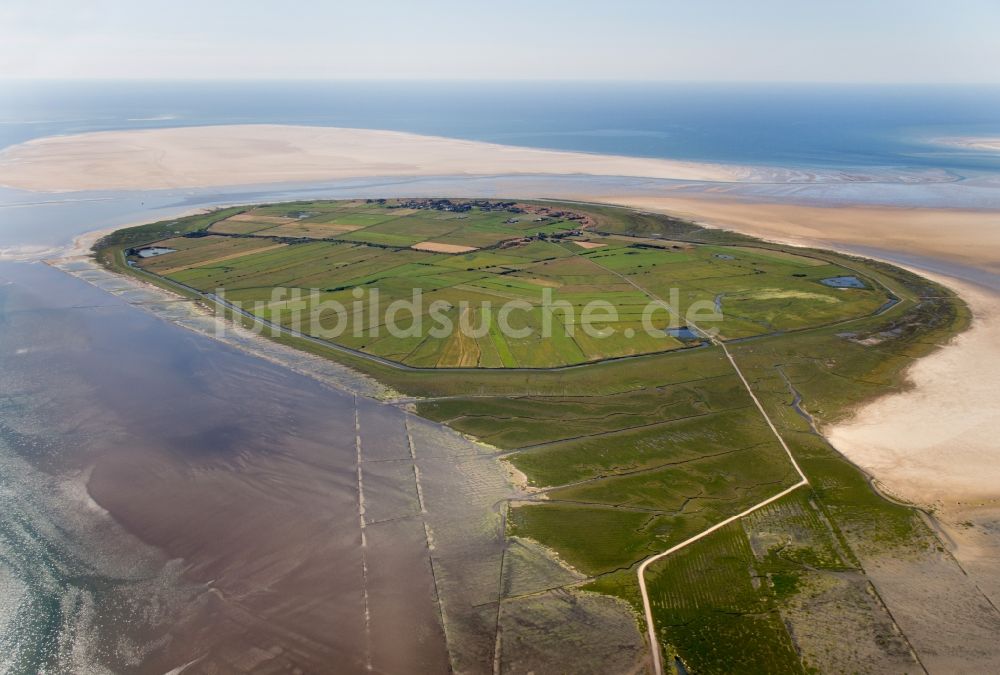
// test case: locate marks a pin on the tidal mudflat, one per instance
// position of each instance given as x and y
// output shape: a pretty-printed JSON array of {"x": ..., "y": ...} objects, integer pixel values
[
  {"x": 217, "y": 508},
  {"x": 226, "y": 477}
]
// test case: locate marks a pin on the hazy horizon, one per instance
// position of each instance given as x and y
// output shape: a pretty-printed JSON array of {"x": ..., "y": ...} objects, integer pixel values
[
  {"x": 18, "y": 80},
  {"x": 638, "y": 40}
]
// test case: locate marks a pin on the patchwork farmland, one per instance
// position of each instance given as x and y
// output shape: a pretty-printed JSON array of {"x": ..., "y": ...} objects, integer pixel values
[{"x": 471, "y": 261}]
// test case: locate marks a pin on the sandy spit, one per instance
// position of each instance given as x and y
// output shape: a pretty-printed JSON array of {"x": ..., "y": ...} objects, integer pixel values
[
  {"x": 262, "y": 153},
  {"x": 936, "y": 442}
]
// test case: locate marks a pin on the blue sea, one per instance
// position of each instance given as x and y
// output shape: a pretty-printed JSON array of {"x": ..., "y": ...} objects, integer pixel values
[{"x": 797, "y": 125}]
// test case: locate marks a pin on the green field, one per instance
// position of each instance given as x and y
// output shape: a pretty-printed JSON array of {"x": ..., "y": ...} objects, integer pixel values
[
  {"x": 623, "y": 458},
  {"x": 554, "y": 262}
]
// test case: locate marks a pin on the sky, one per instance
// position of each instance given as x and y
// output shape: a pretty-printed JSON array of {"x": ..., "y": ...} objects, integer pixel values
[{"x": 903, "y": 41}]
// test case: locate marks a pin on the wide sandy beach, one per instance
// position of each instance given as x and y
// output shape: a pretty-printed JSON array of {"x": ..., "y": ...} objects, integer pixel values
[
  {"x": 258, "y": 154},
  {"x": 967, "y": 237},
  {"x": 937, "y": 442}
]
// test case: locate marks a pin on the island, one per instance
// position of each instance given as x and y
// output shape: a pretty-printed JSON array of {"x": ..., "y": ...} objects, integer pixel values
[{"x": 657, "y": 392}]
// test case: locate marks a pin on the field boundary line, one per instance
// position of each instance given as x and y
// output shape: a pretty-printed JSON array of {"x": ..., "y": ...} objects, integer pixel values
[
  {"x": 641, "y": 572},
  {"x": 654, "y": 644}
]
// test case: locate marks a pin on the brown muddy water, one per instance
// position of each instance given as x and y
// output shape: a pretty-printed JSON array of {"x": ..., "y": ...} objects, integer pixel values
[{"x": 170, "y": 500}]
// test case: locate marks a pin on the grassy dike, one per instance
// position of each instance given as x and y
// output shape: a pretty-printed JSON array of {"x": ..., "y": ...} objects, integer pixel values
[{"x": 624, "y": 458}]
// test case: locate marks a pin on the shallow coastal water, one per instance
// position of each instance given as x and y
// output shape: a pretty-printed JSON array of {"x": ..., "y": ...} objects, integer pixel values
[
  {"x": 245, "y": 515},
  {"x": 168, "y": 498}
]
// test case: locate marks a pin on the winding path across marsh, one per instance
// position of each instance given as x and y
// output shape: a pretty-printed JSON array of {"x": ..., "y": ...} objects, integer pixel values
[
  {"x": 641, "y": 572},
  {"x": 647, "y": 608}
]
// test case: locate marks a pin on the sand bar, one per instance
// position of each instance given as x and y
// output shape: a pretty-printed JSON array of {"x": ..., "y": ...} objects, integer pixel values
[
  {"x": 964, "y": 236},
  {"x": 987, "y": 143},
  {"x": 257, "y": 154},
  {"x": 935, "y": 442}
]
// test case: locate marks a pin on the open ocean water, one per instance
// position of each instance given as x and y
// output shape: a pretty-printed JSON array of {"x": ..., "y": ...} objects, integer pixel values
[{"x": 830, "y": 126}]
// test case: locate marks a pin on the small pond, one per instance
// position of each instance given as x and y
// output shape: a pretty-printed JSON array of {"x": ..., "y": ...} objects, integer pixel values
[
  {"x": 154, "y": 251},
  {"x": 843, "y": 282},
  {"x": 682, "y": 333}
]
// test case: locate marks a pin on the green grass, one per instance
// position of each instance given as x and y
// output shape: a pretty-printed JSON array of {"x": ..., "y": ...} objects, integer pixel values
[
  {"x": 638, "y": 454},
  {"x": 613, "y": 538},
  {"x": 761, "y": 291},
  {"x": 716, "y": 608}
]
